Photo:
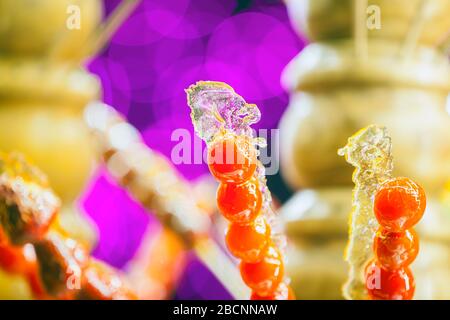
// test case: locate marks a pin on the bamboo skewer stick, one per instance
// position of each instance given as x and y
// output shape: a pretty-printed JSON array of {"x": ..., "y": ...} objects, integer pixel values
[{"x": 154, "y": 183}]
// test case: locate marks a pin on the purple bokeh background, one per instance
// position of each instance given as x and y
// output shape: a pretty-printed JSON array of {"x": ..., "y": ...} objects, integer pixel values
[{"x": 163, "y": 47}]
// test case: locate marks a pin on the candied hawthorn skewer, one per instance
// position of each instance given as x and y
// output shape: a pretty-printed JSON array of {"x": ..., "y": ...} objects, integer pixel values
[
  {"x": 55, "y": 266},
  {"x": 399, "y": 204},
  {"x": 222, "y": 119},
  {"x": 382, "y": 243}
]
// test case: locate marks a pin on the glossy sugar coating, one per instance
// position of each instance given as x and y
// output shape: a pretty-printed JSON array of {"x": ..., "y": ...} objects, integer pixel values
[
  {"x": 396, "y": 284},
  {"x": 218, "y": 115},
  {"x": 249, "y": 242},
  {"x": 369, "y": 151},
  {"x": 218, "y": 112},
  {"x": 240, "y": 203}
]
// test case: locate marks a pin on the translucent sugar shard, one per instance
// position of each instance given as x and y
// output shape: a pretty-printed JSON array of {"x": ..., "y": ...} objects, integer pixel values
[
  {"x": 369, "y": 151},
  {"x": 216, "y": 107},
  {"x": 27, "y": 204}
]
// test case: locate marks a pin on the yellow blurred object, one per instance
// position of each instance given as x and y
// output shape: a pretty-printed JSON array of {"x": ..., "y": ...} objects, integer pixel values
[{"x": 151, "y": 180}]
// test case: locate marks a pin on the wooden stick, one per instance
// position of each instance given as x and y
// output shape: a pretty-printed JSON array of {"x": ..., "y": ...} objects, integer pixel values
[{"x": 413, "y": 35}]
